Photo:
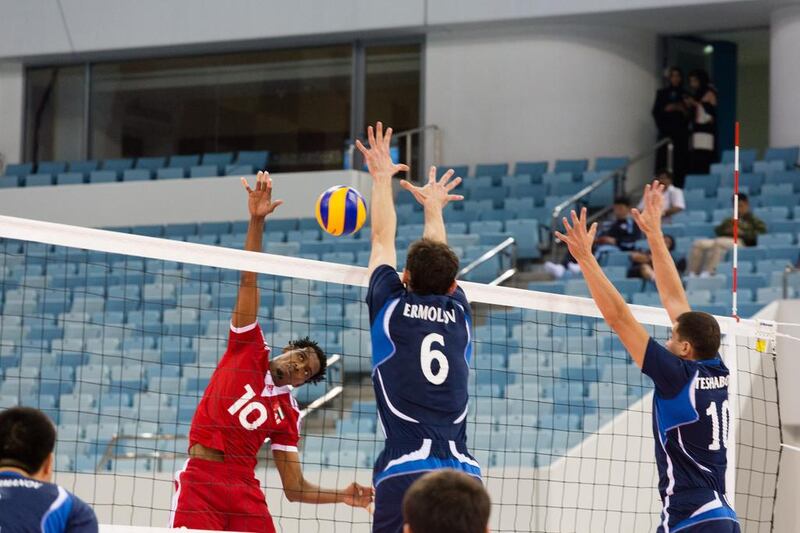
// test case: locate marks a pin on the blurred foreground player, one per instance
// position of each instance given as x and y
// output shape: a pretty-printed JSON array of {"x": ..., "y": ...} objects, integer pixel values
[
  {"x": 29, "y": 502},
  {"x": 421, "y": 331},
  {"x": 691, "y": 415},
  {"x": 247, "y": 401},
  {"x": 446, "y": 500}
]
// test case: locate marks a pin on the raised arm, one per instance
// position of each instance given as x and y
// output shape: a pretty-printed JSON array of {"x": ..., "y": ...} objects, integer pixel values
[
  {"x": 382, "y": 212},
  {"x": 608, "y": 299},
  {"x": 433, "y": 197},
  {"x": 298, "y": 489},
  {"x": 668, "y": 280},
  {"x": 259, "y": 204}
]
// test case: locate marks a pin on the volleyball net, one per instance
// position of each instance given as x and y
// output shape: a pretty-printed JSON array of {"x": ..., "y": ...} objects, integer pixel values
[{"x": 116, "y": 336}]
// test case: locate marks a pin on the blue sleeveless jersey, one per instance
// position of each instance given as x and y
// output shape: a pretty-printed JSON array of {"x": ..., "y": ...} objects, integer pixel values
[
  {"x": 30, "y": 506},
  {"x": 691, "y": 419},
  {"x": 421, "y": 351}
]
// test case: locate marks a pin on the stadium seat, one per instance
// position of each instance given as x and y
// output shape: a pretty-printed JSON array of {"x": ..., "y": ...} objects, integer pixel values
[
  {"x": 706, "y": 182},
  {"x": 70, "y": 178},
  {"x": 18, "y": 170},
  {"x": 535, "y": 169},
  {"x": 494, "y": 170},
  {"x": 117, "y": 165},
  {"x": 150, "y": 163},
  {"x": 771, "y": 213},
  {"x": 609, "y": 163},
  {"x": 788, "y": 155},
  {"x": 204, "y": 171},
  {"x": 747, "y": 158},
  {"x": 575, "y": 167},
  {"x": 137, "y": 174},
  {"x": 183, "y": 161},
  {"x": 51, "y": 167},
  {"x": 103, "y": 176},
  {"x": 218, "y": 159},
  {"x": 257, "y": 159},
  {"x": 82, "y": 167},
  {"x": 38, "y": 180},
  {"x": 170, "y": 173}
]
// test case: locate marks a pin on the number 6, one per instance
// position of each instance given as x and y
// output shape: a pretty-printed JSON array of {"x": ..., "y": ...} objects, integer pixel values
[{"x": 427, "y": 356}]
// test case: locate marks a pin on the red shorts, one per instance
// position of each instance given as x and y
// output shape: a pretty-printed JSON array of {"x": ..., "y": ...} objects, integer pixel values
[{"x": 219, "y": 496}]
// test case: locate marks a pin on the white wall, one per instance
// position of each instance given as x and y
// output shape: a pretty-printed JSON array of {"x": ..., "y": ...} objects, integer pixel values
[
  {"x": 11, "y": 111},
  {"x": 784, "y": 110},
  {"x": 541, "y": 93},
  {"x": 171, "y": 201}
]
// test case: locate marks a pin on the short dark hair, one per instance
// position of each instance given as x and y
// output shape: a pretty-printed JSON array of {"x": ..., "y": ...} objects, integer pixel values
[
  {"x": 677, "y": 69},
  {"x": 306, "y": 342},
  {"x": 432, "y": 265},
  {"x": 27, "y": 438},
  {"x": 622, "y": 200},
  {"x": 446, "y": 500},
  {"x": 665, "y": 172},
  {"x": 701, "y": 330},
  {"x": 743, "y": 197}
]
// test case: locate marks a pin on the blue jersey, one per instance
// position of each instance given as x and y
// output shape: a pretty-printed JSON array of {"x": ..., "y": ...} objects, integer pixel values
[
  {"x": 691, "y": 419},
  {"x": 30, "y": 506},
  {"x": 421, "y": 351}
]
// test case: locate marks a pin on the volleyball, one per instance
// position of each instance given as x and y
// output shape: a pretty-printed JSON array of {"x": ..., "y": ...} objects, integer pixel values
[{"x": 341, "y": 210}]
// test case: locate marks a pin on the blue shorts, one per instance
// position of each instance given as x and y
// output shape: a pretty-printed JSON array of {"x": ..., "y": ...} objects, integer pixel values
[
  {"x": 388, "y": 517},
  {"x": 713, "y": 526}
]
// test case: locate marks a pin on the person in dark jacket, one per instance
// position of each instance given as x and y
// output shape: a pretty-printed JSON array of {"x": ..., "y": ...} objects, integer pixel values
[
  {"x": 702, "y": 104},
  {"x": 671, "y": 115}
]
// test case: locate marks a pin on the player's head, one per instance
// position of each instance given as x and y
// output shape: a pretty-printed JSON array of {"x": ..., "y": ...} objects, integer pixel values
[
  {"x": 446, "y": 500},
  {"x": 622, "y": 207},
  {"x": 744, "y": 203},
  {"x": 675, "y": 76},
  {"x": 302, "y": 361},
  {"x": 431, "y": 268},
  {"x": 27, "y": 440},
  {"x": 664, "y": 176},
  {"x": 695, "y": 336}
]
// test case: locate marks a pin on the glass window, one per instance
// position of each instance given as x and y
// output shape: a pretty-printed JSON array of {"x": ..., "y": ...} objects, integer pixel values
[
  {"x": 293, "y": 103},
  {"x": 54, "y": 115}
]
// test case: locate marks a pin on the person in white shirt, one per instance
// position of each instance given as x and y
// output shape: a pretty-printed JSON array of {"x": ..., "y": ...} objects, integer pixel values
[{"x": 673, "y": 202}]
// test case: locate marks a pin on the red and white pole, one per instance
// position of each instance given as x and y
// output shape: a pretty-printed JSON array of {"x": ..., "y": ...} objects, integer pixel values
[{"x": 734, "y": 310}]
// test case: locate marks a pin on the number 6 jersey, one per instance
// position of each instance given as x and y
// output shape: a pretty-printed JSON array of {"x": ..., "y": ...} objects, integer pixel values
[
  {"x": 421, "y": 351},
  {"x": 241, "y": 407},
  {"x": 691, "y": 419}
]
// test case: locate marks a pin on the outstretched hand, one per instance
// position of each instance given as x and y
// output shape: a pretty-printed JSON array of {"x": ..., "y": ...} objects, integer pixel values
[
  {"x": 435, "y": 193},
  {"x": 579, "y": 240},
  {"x": 356, "y": 495},
  {"x": 378, "y": 155},
  {"x": 259, "y": 201},
  {"x": 649, "y": 221}
]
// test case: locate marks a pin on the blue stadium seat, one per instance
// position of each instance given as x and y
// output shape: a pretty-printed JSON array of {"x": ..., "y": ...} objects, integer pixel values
[
  {"x": 170, "y": 173},
  {"x": 530, "y": 168},
  {"x": 491, "y": 169},
  {"x": 82, "y": 167},
  {"x": 51, "y": 167},
  {"x": 777, "y": 189},
  {"x": 184, "y": 161},
  {"x": 698, "y": 297},
  {"x": 609, "y": 163},
  {"x": 768, "y": 214},
  {"x": 551, "y": 178},
  {"x": 747, "y": 158},
  {"x": 38, "y": 180},
  {"x": 574, "y": 166},
  {"x": 766, "y": 295},
  {"x": 239, "y": 170},
  {"x": 536, "y": 192},
  {"x": 526, "y": 234},
  {"x": 752, "y": 181},
  {"x": 117, "y": 165},
  {"x": 218, "y": 159},
  {"x": 204, "y": 171},
  {"x": 788, "y": 155},
  {"x": 103, "y": 176},
  {"x": 18, "y": 169},
  {"x": 752, "y": 281},
  {"x": 255, "y": 158},
  {"x": 690, "y": 217},
  {"x": 9, "y": 182},
  {"x": 707, "y": 182},
  {"x": 769, "y": 167},
  {"x": 138, "y": 174},
  {"x": 723, "y": 170},
  {"x": 560, "y": 188},
  {"x": 150, "y": 163},
  {"x": 710, "y": 283},
  {"x": 70, "y": 178}
]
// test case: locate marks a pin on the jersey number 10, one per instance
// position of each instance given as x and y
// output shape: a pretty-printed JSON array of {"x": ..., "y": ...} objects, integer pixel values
[{"x": 724, "y": 415}]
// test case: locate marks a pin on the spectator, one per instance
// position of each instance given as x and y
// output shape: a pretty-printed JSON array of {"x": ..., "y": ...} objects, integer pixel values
[
  {"x": 707, "y": 253},
  {"x": 446, "y": 500},
  {"x": 619, "y": 233},
  {"x": 642, "y": 261},
  {"x": 30, "y": 502},
  {"x": 702, "y": 104},
  {"x": 674, "y": 201},
  {"x": 672, "y": 120}
]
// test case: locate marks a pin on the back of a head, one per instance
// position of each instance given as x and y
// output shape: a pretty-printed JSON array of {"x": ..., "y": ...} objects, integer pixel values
[
  {"x": 701, "y": 330},
  {"x": 446, "y": 500},
  {"x": 27, "y": 438},
  {"x": 432, "y": 267}
]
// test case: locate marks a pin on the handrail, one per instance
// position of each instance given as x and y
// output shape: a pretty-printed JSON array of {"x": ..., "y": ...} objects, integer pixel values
[
  {"x": 408, "y": 134},
  {"x": 155, "y": 454},
  {"x": 615, "y": 174},
  {"x": 489, "y": 254},
  {"x": 786, "y": 273}
]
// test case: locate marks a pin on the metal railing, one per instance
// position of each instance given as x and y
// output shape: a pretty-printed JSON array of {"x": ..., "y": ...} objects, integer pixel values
[
  {"x": 408, "y": 137},
  {"x": 618, "y": 175},
  {"x": 507, "y": 248},
  {"x": 109, "y": 454},
  {"x": 788, "y": 271}
]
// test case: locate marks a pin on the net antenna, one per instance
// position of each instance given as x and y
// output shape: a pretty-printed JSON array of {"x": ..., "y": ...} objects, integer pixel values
[{"x": 734, "y": 309}]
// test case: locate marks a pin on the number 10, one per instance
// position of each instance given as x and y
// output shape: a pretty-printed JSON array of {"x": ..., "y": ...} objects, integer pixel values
[{"x": 725, "y": 415}]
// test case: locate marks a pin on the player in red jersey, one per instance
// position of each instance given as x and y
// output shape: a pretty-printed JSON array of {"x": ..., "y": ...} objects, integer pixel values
[{"x": 248, "y": 400}]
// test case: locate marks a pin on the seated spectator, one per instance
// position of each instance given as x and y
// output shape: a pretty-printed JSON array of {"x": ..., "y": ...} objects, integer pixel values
[
  {"x": 618, "y": 233},
  {"x": 642, "y": 262},
  {"x": 30, "y": 502},
  {"x": 707, "y": 253},
  {"x": 674, "y": 201},
  {"x": 446, "y": 500}
]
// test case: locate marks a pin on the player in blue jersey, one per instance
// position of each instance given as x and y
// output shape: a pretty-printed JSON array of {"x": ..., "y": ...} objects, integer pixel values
[
  {"x": 421, "y": 332},
  {"x": 691, "y": 415},
  {"x": 29, "y": 502}
]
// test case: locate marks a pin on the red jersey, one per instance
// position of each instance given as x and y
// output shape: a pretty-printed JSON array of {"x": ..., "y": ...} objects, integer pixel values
[{"x": 241, "y": 407}]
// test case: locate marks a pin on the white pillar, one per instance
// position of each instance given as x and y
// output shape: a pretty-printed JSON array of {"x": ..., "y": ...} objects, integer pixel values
[
  {"x": 12, "y": 83},
  {"x": 784, "y": 106}
]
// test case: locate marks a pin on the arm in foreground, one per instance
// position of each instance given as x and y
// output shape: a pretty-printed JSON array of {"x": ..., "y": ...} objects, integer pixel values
[
  {"x": 608, "y": 299},
  {"x": 298, "y": 489},
  {"x": 668, "y": 280}
]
